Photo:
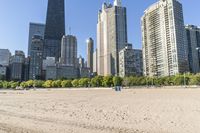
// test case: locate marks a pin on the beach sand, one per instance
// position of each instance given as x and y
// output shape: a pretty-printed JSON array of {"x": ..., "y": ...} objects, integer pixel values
[{"x": 100, "y": 111}]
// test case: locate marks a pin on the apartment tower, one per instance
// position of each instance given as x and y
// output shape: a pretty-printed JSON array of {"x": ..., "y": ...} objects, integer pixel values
[
  {"x": 111, "y": 37},
  {"x": 163, "y": 39}
]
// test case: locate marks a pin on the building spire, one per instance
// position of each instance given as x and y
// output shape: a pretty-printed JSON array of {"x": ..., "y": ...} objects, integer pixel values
[{"x": 117, "y": 3}]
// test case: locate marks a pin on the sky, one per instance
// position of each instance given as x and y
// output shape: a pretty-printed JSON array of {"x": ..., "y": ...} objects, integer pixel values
[{"x": 81, "y": 16}]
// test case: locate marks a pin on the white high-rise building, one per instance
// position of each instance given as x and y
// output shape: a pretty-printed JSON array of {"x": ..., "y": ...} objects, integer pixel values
[
  {"x": 111, "y": 37},
  {"x": 163, "y": 39},
  {"x": 95, "y": 61},
  {"x": 69, "y": 50},
  {"x": 193, "y": 41}
]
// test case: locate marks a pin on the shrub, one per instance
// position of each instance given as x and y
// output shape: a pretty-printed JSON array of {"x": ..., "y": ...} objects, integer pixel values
[
  {"x": 107, "y": 81},
  {"x": 117, "y": 81},
  {"x": 66, "y": 83},
  {"x": 23, "y": 85},
  {"x": 56, "y": 83},
  {"x": 97, "y": 81},
  {"x": 6, "y": 85},
  {"x": 75, "y": 83},
  {"x": 13, "y": 85},
  {"x": 1, "y": 84},
  {"x": 194, "y": 79},
  {"x": 84, "y": 82},
  {"x": 38, "y": 83},
  {"x": 30, "y": 83},
  {"x": 47, "y": 84}
]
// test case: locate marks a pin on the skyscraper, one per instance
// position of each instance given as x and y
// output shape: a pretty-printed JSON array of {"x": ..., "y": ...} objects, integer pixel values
[
  {"x": 111, "y": 37},
  {"x": 35, "y": 29},
  {"x": 95, "y": 61},
  {"x": 193, "y": 43},
  {"x": 55, "y": 28},
  {"x": 163, "y": 39},
  {"x": 17, "y": 66},
  {"x": 130, "y": 62},
  {"x": 90, "y": 50},
  {"x": 69, "y": 50},
  {"x": 4, "y": 57},
  {"x": 36, "y": 59}
]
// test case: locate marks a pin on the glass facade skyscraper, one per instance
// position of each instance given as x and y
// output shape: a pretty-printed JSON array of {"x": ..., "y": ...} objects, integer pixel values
[{"x": 55, "y": 28}]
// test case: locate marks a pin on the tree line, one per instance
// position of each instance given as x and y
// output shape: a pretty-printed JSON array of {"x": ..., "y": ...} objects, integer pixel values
[{"x": 107, "y": 81}]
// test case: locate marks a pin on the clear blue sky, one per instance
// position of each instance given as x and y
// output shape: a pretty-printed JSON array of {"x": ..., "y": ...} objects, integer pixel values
[{"x": 81, "y": 16}]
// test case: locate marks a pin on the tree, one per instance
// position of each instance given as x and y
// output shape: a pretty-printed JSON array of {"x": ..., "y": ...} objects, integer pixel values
[
  {"x": 75, "y": 83},
  {"x": 107, "y": 81},
  {"x": 66, "y": 83},
  {"x": 117, "y": 81}
]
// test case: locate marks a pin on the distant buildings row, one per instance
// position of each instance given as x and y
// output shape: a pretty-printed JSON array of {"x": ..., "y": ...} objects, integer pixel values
[{"x": 168, "y": 47}]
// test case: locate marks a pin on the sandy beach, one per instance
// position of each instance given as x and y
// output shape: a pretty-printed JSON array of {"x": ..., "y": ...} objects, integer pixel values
[{"x": 100, "y": 111}]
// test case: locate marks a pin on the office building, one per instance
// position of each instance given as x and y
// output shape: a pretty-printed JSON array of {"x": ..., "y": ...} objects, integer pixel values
[
  {"x": 17, "y": 66},
  {"x": 35, "y": 29},
  {"x": 90, "y": 50},
  {"x": 84, "y": 72},
  {"x": 163, "y": 39},
  {"x": 130, "y": 62},
  {"x": 111, "y": 37},
  {"x": 193, "y": 44},
  {"x": 54, "y": 29},
  {"x": 60, "y": 71},
  {"x": 4, "y": 57},
  {"x": 36, "y": 58},
  {"x": 3, "y": 72},
  {"x": 81, "y": 62},
  {"x": 138, "y": 61},
  {"x": 26, "y": 68},
  {"x": 68, "y": 50},
  {"x": 95, "y": 61}
]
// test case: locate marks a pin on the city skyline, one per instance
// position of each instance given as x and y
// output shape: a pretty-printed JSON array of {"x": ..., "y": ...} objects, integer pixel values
[{"x": 16, "y": 25}]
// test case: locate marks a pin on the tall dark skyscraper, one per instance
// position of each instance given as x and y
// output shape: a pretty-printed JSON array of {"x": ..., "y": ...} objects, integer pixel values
[{"x": 55, "y": 28}]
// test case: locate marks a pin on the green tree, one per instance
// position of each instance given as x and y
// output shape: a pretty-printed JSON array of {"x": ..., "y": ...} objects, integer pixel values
[
  {"x": 66, "y": 83},
  {"x": 75, "y": 83},
  {"x": 107, "y": 81},
  {"x": 117, "y": 81}
]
